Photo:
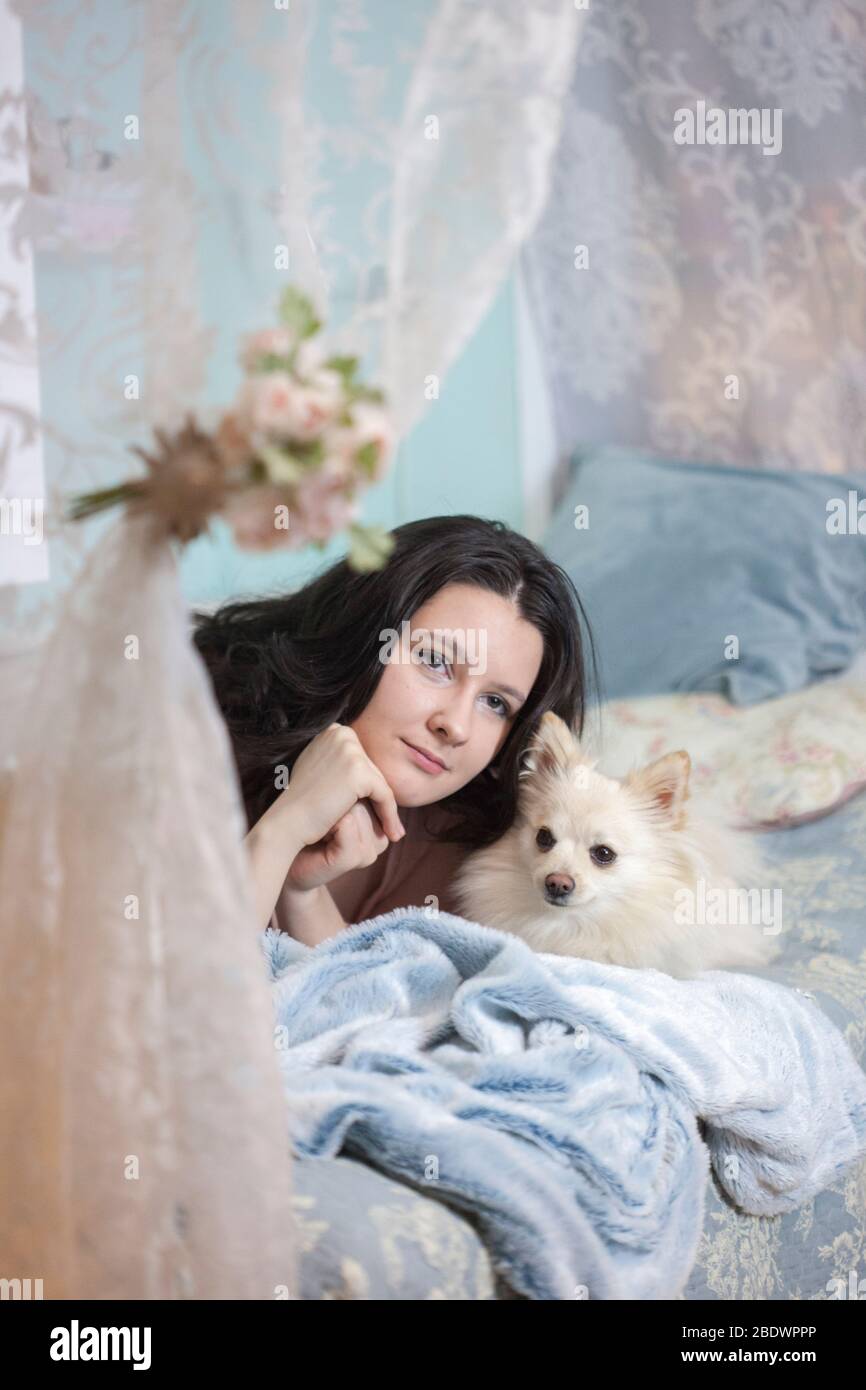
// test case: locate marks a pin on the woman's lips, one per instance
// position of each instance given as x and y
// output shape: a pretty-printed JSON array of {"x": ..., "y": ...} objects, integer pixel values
[{"x": 422, "y": 760}]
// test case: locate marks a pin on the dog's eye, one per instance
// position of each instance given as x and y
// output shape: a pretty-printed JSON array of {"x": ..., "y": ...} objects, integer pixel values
[
  {"x": 544, "y": 839},
  {"x": 602, "y": 855}
]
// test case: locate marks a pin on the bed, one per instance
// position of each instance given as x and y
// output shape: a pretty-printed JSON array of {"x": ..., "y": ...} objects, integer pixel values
[
  {"x": 366, "y": 1236},
  {"x": 779, "y": 734}
]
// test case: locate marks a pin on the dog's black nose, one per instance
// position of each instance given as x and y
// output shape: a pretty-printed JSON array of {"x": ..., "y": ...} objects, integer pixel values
[{"x": 558, "y": 886}]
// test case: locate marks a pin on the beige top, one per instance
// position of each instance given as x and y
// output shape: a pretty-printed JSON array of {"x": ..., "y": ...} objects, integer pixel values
[{"x": 406, "y": 874}]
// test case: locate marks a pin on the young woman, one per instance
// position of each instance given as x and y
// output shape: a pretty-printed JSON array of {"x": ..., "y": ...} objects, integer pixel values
[{"x": 381, "y": 694}]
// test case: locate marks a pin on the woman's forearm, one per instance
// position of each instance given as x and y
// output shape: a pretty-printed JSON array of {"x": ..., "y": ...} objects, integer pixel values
[
  {"x": 272, "y": 844},
  {"x": 313, "y": 915},
  {"x": 268, "y": 868}
]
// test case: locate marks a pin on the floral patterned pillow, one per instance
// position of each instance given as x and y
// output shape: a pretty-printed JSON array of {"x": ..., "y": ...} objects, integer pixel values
[{"x": 774, "y": 764}]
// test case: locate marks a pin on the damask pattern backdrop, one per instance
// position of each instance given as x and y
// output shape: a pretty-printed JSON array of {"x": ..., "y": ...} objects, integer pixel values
[{"x": 718, "y": 310}]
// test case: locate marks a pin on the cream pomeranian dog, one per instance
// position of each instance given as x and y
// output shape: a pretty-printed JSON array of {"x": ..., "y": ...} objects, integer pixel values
[{"x": 621, "y": 872}]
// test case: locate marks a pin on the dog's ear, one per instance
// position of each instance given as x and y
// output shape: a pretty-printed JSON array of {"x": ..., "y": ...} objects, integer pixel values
[
  {"x": 553, "y": 747},
  {"x": 665, "y": 783}
]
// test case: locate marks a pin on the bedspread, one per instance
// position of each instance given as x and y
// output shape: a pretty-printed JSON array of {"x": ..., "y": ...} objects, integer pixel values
[{"x": 573, "y": 1109}]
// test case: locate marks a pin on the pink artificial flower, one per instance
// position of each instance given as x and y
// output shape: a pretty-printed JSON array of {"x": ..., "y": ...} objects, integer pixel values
[
  {"x": 232, "y": 441},
  {"x": 278, "y": 406},
  {"x": 310, "y": 357},
  {"x": 323, "y": 506},
  {"x": 336, "y": 465},
  {"x": 370, "y": 425},
  {"x": 276, "y": 341},
  {"x": 253, "y": 516}
]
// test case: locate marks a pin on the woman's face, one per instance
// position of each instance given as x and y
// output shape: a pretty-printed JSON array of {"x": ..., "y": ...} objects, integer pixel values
[{"x": 475, "y": 662}]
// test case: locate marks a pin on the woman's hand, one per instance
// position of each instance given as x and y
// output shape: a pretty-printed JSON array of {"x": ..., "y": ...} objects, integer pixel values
[
  {"x": 329, "y": 777},
  {"x": 337, "y": 813},
  {"x": 355, "y": 841},
  {"x": 342, "y": 807}
]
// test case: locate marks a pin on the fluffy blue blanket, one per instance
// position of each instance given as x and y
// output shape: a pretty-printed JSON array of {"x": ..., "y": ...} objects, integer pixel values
[{"x": 574, "y": 1109}]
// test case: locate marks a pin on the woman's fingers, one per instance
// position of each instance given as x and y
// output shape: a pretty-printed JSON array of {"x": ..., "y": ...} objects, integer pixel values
[
  {"x": 373, "y": 786},
  {"x": 354, "y": 841},
  {"x": 373, "y": 827},
  {"x": 332, "y": 774},
  {"x": 358, "y": 839},
  {"x": 384, "y": 803}
]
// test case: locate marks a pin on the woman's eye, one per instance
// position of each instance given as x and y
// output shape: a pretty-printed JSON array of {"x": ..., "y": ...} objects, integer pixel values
[
  {"x": 428, "y": 655},
  {"x": 503, "y": 710},
  {"x": 602, "y": 855},
  {"x": 544, "y": 839}
]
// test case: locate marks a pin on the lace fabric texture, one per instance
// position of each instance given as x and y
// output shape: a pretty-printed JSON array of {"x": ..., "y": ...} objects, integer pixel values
[
  {"x": 471, "y": 171},
  {"x": 708, "y": 301},
  {"x": 144, "y": 1151}
]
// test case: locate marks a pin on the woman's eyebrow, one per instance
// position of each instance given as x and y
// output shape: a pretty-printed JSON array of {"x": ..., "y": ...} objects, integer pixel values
[
  {"x": 509, "y": 690},
  {"x": 500, "y": 685},
  {"x": 449, "y": 655}
]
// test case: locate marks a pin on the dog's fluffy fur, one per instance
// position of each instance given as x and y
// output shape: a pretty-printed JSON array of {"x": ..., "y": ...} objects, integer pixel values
[{"x": 629, "y": 911}]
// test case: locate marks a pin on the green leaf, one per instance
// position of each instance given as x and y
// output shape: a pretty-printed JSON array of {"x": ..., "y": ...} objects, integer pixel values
[
  {"x": 368, "y": 457},
  {"x": 346, "y": 366},
  {"x": 369, "y": 547},
  {"x": 280, "y": 465},
  {"x": 310, "y": 453},
  {"x": 289, "y": 462},
  {"x": 273, "y": 362},
  {"x": 356, "y": 391},
  {"x": 87, "y": 504},
  {"x": 297, "y": 313},
  {"x": 367, "y": 393}
]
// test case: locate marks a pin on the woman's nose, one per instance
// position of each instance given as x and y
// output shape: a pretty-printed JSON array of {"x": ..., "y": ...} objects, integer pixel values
[
  {"x": 450, "y": 728},
  {"x": 454, "y": 720}
]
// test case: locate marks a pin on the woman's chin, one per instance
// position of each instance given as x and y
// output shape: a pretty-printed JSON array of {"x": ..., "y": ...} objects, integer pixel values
[
  {"x": 408, "y": 794},
  {"x": 413, "y": 788}
]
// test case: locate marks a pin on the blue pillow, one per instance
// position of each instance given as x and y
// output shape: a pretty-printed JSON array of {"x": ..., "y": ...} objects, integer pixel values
[{"x": 678, "y": 558}]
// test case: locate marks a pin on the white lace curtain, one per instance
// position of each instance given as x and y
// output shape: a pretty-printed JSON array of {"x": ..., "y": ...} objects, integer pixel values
[
  {"x": 718, "y": 309},
  {"x": 142, "y": 1134}
]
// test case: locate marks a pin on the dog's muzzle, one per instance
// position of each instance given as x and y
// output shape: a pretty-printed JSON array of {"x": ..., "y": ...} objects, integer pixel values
[{"x": 558, "y": 889}]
